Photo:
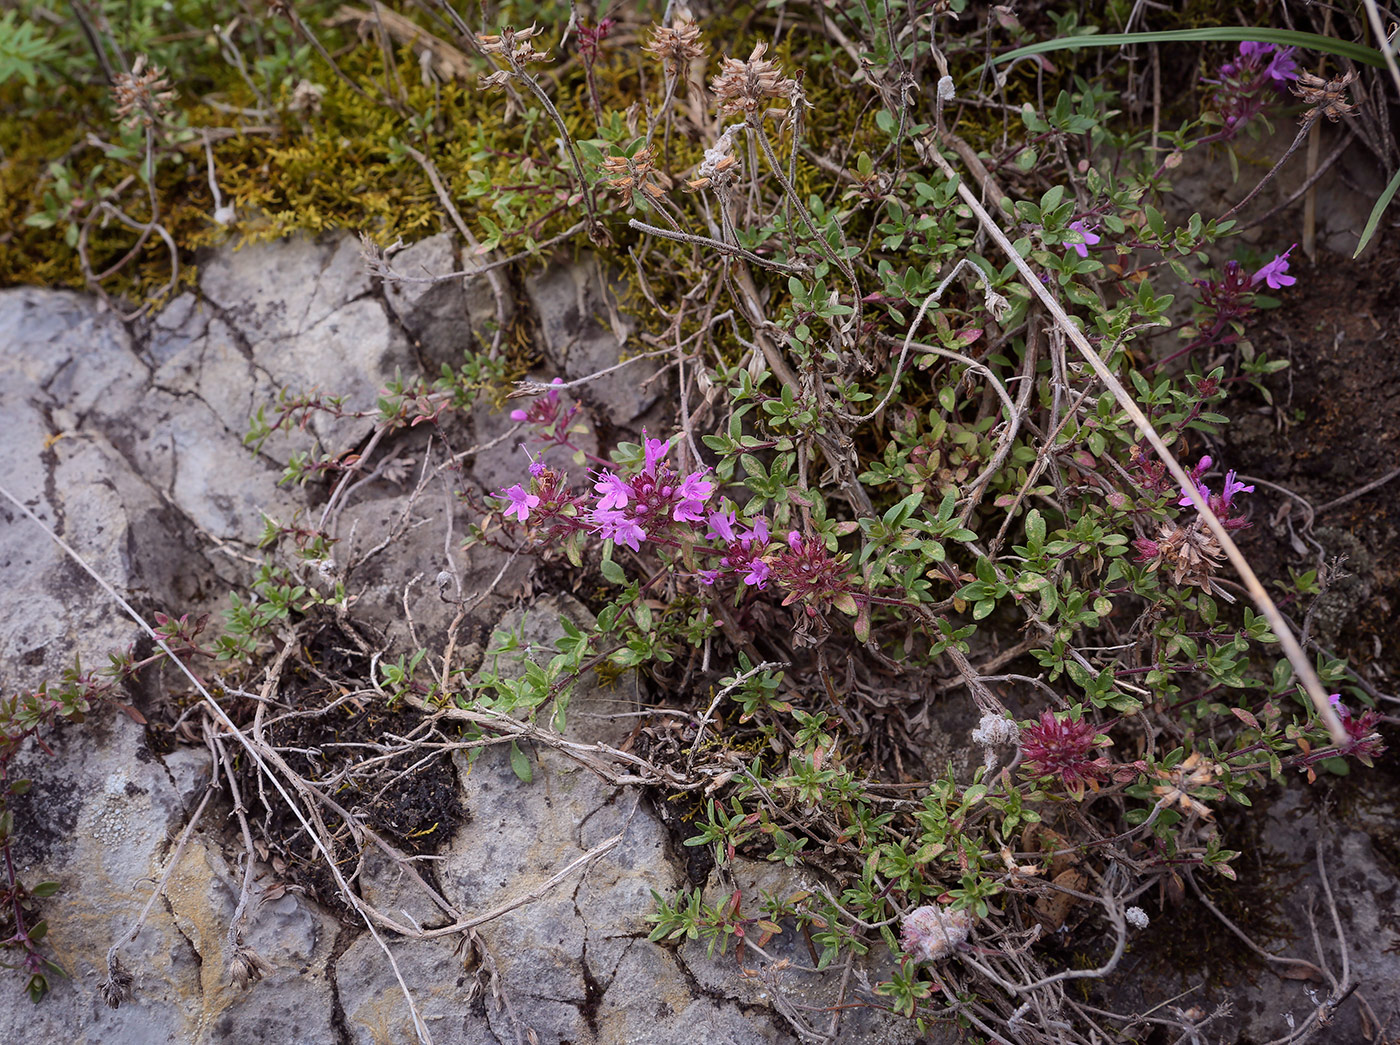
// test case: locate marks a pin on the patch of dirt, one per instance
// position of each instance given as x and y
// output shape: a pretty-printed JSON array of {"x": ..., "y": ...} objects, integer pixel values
[
  {"x": 325, "y": 738},
  {"x": 1334, "y": 427}
]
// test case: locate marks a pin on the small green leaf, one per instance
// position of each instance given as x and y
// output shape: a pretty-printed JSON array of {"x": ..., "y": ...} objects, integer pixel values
[
  {"x": 1035, "y": 526},
  {"x": 1374, "y": 220},
  {"x": 520, "y": 763},
  {"x": 612, "y": 572}
]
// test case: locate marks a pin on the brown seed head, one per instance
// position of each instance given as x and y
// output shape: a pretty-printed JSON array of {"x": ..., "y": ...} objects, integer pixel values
[
  {"x": 515, "y": 43},
  {"x": 637, "y": 173},
  {"x": 743, "y": 87},
  {"x": 248, "y": 967},
  {"x": 677, "y": 46},
  {"x": 142, "y": 94},
  {"x": 116, "y": 988},
  {"x": 1195, "y": 772},
  {"x": 1189, "y": 553},
  {"x": 1327, "y": 97},
  {"x": 514, "y": 46}
]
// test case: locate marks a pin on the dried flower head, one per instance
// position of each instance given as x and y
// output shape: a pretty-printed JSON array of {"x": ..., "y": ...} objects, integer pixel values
[
  {"x": 677, "y": 46},
  {"x": 1060, "y": 748},
  {"x": 306, "y": 97},
  {"x": 719, "y": 167},
  {"x": 248, "y": 967},
  {"x": 744, "y": 87},
  {"x": 116, "y": 988},
  {"x": 142, "y": 94},
  {"x": 1194, "y": 774},
  {"x": 514, "y": 46},
  {"x": 637, "y": 173},
  {"x": 931, "y": 933},
  {"x": 1327, "y": 97},
  {"x": 1189, "y": 553},
  {"x": 995, "y": 729},
  {"x": 514, "y": 43}
]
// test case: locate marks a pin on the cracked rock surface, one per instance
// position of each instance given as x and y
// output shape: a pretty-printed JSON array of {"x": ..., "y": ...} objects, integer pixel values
[{"x": 128, "y": 443}]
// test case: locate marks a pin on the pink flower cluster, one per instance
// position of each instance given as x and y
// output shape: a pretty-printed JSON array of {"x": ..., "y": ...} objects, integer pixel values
[
  {"x": 1361, "y": 729},
  {"x": 1061, "y": 748},
  {"x": 743, "y": 550},
  {"x": 1222, "y": 504},
  {"x": 645, "y": 506},
  {"x": 655, "y": 504},
  {"x": 812, "y": 575},
  {"x": 659, "y": 505},
  {"x": 1249, "y": 83}
]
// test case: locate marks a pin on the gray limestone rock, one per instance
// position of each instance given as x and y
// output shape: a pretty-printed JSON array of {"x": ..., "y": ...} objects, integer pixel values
[
  {"x": 102, "y": 820},
  {"x": 577, "y": 960},
  {"x": 584, "y": 334},
  {"x": 303, "y": 312},
  {"x": 444, "y": 319}
]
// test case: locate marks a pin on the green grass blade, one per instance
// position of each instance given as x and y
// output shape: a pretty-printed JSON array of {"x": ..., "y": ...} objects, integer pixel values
[
  {"x": 1225, "y": 33},
  {"x": 1375, "y": 219}
]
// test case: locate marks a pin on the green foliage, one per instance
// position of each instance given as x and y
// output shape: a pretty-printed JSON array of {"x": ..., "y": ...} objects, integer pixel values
[
  {"x": 23, "y": 49},
  {"x": 939, "y": 484}
]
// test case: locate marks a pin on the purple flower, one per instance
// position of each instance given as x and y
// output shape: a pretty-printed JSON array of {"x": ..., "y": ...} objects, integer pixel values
[
  {"x": 1275, "y": 274},
  {"x": 693, "y": 493},
  {"x": 613, "y": 492},
  {"x": 520, "y": 502},
  {"x": 1233, "y": 486},
  {"x": 759, "y": 572},
  {"x": 1223, "y": 505},
  {"x": 1282, "y": 68},
  {"x": 1202, "y": 466},
  {"x": 1186, "y": 501},
  {"x": 1251, "y": 83},
  {"x": 743, "y": 552},
  {"x": 758, "y": 533},
  {"x": 721, "y": 526},
  {"x": 655, "y": 450},
  {"x": 614, "y": 525},
  {"x": 1090, "y": 238}
]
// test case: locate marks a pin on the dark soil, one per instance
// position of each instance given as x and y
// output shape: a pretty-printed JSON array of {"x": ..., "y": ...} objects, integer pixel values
[
  {"x": 415, "y": 804},
  {"x": 1334, "y": 426}
]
